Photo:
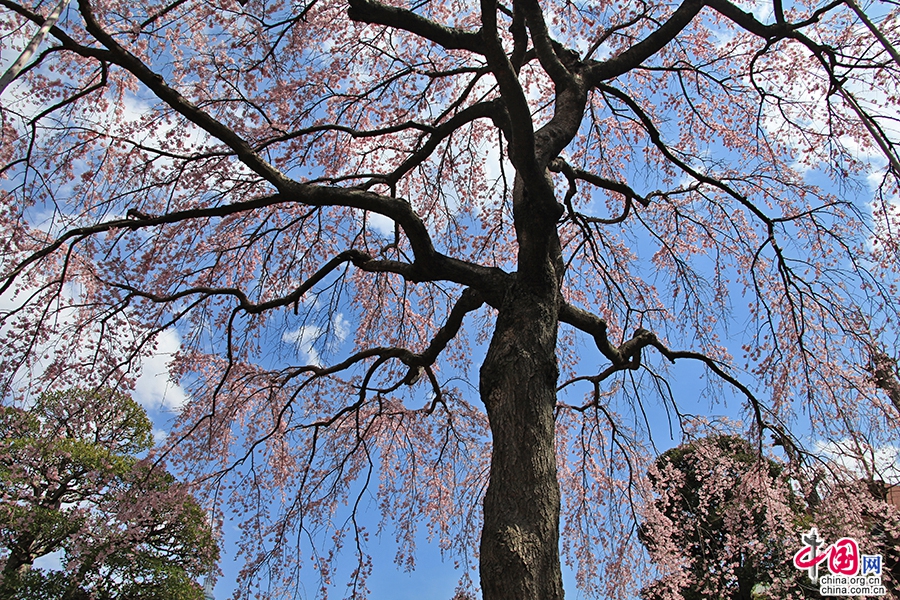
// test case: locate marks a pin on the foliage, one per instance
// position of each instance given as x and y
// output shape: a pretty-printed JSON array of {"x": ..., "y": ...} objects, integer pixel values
[
  {"x": 70, "y": 481},
  {"x": 454, "y": 260},
  {"x": 723, "y": 522}
]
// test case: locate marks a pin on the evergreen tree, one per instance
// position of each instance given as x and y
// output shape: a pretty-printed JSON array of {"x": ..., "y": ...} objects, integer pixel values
[{"x": 71, "y": 482}]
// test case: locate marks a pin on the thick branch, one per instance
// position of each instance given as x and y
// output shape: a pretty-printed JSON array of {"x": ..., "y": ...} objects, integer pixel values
[
  {"x": 593, "y": 325},
  {"x": 469, "y": 301},
  {"x": 653, "y": 43},
  {"x": 628, "y": 354},
  {"x": 429, "y": 265},
  {"x": 873, "y": 28},
  {"x": 546, "y": 48},
  {"x": 369, "y": 11},
  {"x": 32, "y": 46},
  {"x": 56, "y": 32},
  {"x": 747, "y": 21},
  {"x": 521, "y": 126},
  {"x": 572, "y": 175}
]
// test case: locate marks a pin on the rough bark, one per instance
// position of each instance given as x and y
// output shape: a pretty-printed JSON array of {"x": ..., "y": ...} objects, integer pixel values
[{"x": 520, "y": 539}]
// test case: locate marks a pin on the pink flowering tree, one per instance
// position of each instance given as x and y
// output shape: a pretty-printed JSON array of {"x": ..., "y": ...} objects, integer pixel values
[
  {"x": 447, "y": 258},
  {"x": 721, "y": 521},
  {"x": 724, "y": 521},
  {"x": 70, "y": 483}
]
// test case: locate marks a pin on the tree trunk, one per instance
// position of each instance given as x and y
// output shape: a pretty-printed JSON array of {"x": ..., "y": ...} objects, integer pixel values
[
  {"x": 520, "y": 540},
  {"x": 18, "y": 563}
]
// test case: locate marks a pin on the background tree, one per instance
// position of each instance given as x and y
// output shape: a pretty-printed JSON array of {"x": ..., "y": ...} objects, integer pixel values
[
  {"x": 70, "y": 482},
  {"x": 724, "y": 511},
  {"x": 316, "y": 197},
  {"x": 723, "y": 518}
]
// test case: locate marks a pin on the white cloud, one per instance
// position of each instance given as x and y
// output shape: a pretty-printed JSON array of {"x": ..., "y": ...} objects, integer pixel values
[
  {"x": 155, "y": 387},
  {"x": 304, "y": 337},
  {"x": 380, "y": 223},
  {"x": 763, "y": 10},
  {"x": 882, "y": 462},
  {"x": 340, "y": 327},
  {"x": 159, "y": 436}
]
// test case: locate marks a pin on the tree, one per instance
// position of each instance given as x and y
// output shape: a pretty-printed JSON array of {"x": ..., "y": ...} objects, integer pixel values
[
  {"x": 316, "y": 197},
  {"x": 727, "y": 511},
  {"x": 70, "y": 482},
  {"x": 723, "y": 517}
]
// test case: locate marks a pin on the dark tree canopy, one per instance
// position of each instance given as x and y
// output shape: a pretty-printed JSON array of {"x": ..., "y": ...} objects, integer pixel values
[{"x": 448, "y": 258}]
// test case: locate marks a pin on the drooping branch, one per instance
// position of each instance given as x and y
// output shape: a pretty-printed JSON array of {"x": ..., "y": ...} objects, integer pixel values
[
  {"x": 469, "y": 301},
  {"x": 423, "y": 132},
  {"x": 656, "y": 139},
  {"x": 872, "y": 127},
  {"x": 441, "y": 133},
  {"x": 825, "y": 55},
  {"x": 136, "y": 220},
  {"x": 173, "y": 98},
  {"x": 417, "y": 363},
  {"x": 358, "y": 258},
  {"x": 428, "y": 265},
  {"x": 627, "y": 356}
]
